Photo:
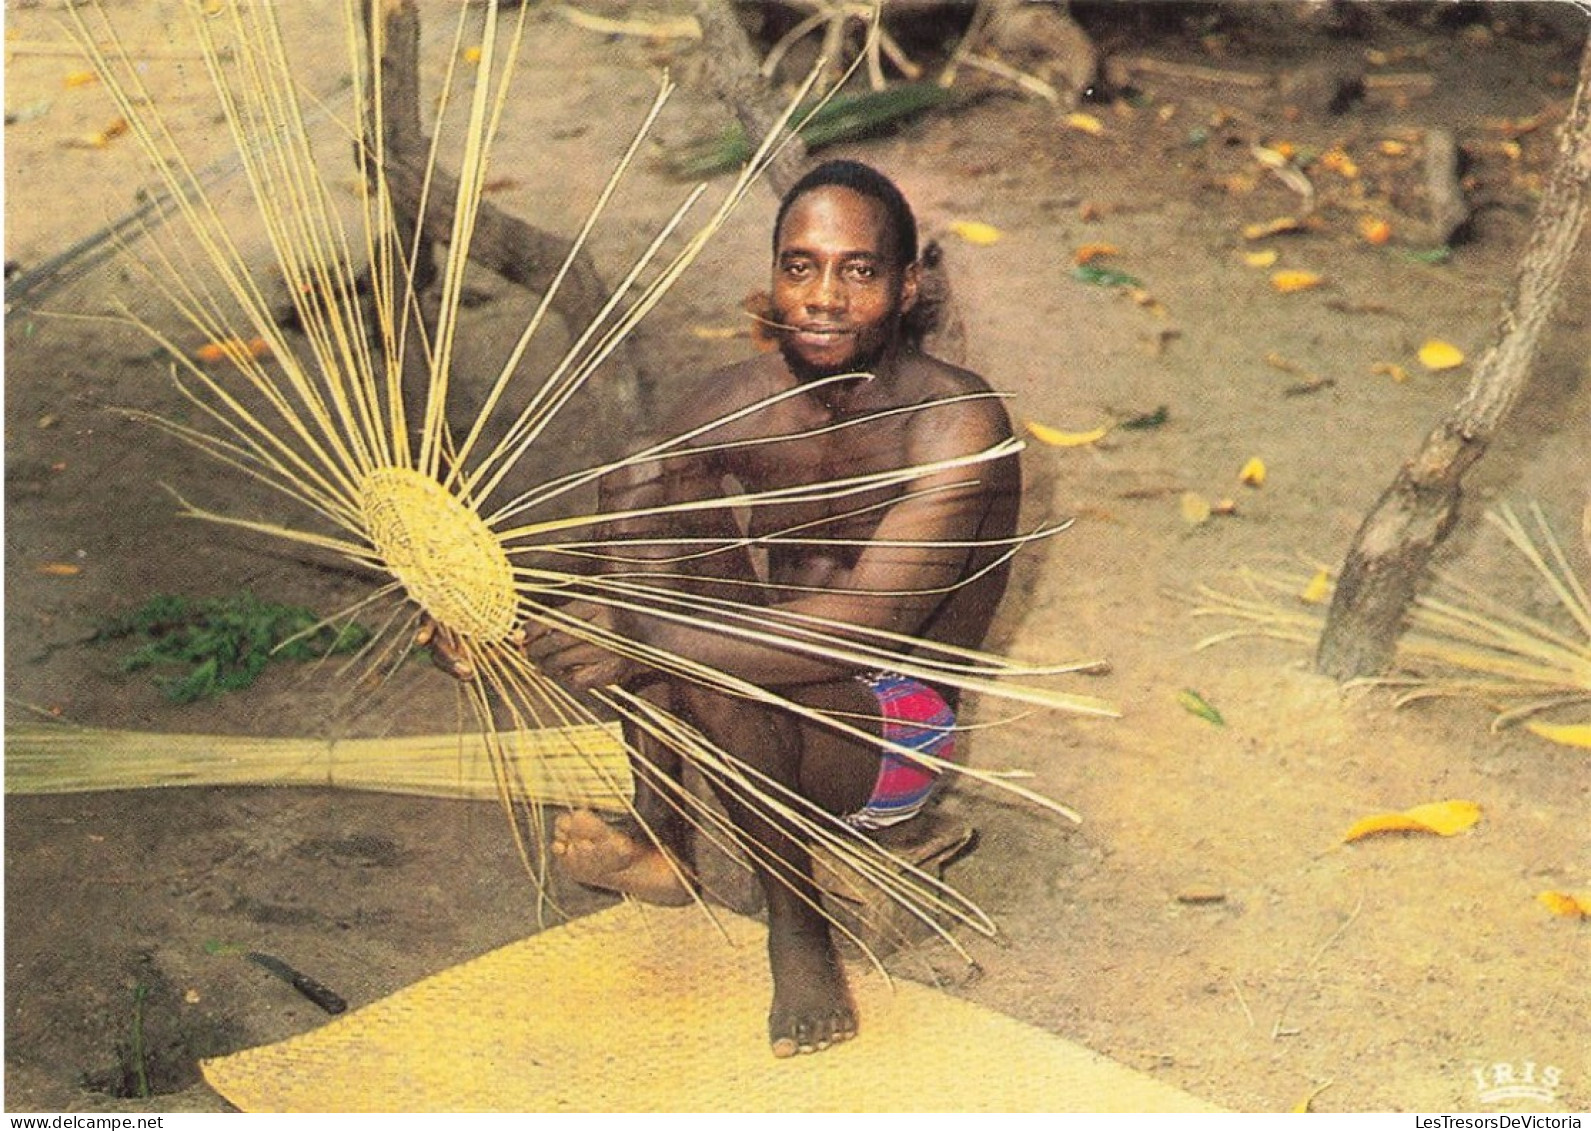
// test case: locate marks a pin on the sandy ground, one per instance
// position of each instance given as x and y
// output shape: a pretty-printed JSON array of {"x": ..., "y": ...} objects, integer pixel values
[{"x": 1205, "y": 923}]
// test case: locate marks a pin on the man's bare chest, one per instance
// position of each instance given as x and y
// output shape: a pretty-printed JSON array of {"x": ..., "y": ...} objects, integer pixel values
[{"x": 839, "y": 481}]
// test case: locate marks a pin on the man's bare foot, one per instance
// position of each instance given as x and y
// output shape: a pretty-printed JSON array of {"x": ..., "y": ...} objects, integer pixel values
[
  {"x": 591, "y": 851},
  {"x": 811, "y": 1004}
]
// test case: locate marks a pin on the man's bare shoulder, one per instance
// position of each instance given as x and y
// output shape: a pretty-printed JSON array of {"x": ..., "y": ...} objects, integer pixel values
[{"x": 964, "y": 404}]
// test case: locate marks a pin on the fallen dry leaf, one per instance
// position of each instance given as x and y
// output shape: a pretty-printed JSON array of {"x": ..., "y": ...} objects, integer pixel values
[
  {"x": 1578, "y": 734},
  {"x": 1374, "y": 230},
  {"x": 1318, "y": 588},
  {"x": 99, "y": 139},
  {"x": 60, "y": 569},
  {"x": 1092, "y": 251},
  {"x": 1437, "y": 354},
  {"x": 1338, "y": 161},
  {"x": 1058, "y": 438},
  {"x": 1087, "y": 123},
  {"x": 1147, "y": 300},
  {"x": 212, "y": 352},
  {"x": 1279, "y": 226},
  {"x": 1286, "y": 365},
  {"x": 1195, "y": 508},
  {"x": 1387, "y": 369},
  {"x": 976, "y": 232},
  {"x": 1288, "y": 282},
  {"x": 1568, "y": 904},
  {"x": 1302, "y": 1105},
  {"x": 1444, "y": 818}
]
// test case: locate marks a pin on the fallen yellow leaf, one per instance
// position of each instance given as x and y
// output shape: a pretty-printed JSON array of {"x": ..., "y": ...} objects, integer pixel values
[
  {"x": 976, "y": 232},
  {"x": 472, "y": 54},
  {"x": 1266, "y": 258},
  {"x": 1146, "y": 300},
  {"x": 1289, "y": 281},
  {"x": 1444, "y": 818},
  {"x": 99, "y": 139},
  {"x": 1567, "y": 904},
  {"x": 1253, "y": 473},
  {"x": 1273, "y": 227},
  {"x": 1302, "y": 1105},
  {"x": 1570, "y": 735},
  {"x": 1195, "y": 508},
  {"x": 80, "y": 78},
  {"x": 1374, "y": 230},
  {"x": 1437, "y": 354},
  {"x": 1085, "y": 122},
  {"x": 1058, "y": 438},
  {"x": 1318, "y": 589},
  {"x": 1338, "y": 161}
]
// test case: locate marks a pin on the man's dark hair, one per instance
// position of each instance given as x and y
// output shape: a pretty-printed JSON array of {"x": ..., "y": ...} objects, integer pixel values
[{"x": 869, "y": 182}]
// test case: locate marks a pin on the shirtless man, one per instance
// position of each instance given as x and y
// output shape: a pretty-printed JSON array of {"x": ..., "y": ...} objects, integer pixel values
[{"x": 844, "y": 275}]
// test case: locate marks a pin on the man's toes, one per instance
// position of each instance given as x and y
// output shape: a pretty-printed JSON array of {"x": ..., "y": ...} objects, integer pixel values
[{"x": 800, "y": 1036}]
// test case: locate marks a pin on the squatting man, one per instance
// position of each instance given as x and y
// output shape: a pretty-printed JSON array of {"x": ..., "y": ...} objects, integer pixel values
[{"x": 919, "y": 559}]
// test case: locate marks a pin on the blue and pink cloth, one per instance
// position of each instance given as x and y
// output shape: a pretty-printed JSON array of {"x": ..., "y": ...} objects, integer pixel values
[{"x": 916, "y": 717}]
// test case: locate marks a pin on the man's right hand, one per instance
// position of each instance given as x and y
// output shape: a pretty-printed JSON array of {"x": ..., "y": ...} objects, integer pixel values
[{"x": 448, "y": 649}]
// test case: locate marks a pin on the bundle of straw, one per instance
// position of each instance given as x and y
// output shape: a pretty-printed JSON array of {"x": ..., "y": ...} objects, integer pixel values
[
  {"x": 1459, "y": 641},
  {"x": 585, "y": 766},
  {"x": 427, "y": 511}
]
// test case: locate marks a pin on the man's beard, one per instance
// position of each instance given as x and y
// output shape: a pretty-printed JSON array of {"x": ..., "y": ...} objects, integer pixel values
[{"x": 806, "y": 372}]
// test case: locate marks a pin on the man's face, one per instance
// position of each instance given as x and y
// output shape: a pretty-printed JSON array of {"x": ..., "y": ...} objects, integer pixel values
[{"x": 838, "y": 292}]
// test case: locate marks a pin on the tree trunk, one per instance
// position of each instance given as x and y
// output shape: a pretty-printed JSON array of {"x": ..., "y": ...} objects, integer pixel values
[
  {"x": 732, "y": 70},
  {"x": 1393, "y": 547}
]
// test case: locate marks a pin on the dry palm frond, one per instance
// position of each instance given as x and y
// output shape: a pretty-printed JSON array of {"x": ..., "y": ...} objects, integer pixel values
[
  {"x": 428, "y": 512},
  {"x": 1459, "y": 640}
]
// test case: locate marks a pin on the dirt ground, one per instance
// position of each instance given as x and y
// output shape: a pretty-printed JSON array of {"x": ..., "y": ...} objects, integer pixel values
[{"x": 1205, "y": 923}]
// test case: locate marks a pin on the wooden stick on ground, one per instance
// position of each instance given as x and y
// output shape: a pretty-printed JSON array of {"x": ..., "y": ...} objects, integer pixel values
[{"x": 1394, "y": 545}]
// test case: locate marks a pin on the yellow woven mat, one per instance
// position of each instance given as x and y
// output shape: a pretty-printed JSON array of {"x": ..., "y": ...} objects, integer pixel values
[{"x": 646, "y": 1009}]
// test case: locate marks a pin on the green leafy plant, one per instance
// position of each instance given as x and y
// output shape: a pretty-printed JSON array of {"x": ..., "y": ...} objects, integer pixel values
[{"x": 224, "y": 643}]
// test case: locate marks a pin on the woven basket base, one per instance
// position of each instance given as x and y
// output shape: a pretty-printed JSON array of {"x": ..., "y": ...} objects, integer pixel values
[{"x": 646, "y": 1009}]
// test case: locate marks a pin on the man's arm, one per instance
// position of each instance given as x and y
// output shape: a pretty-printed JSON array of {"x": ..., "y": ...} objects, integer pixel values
[{"x": 898, "y": 581}]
